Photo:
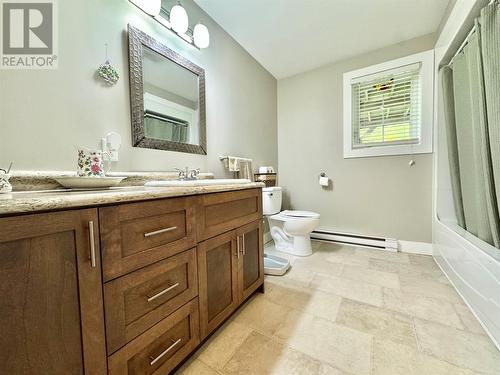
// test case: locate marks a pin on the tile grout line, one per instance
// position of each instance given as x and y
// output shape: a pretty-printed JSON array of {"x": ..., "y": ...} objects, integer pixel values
[
  {"x": 210, "y": 367},
  {"x": 419, "y": 347},
  {"x": 372, "y": 356},
  {"x": 422, "y": 352},
  {"x": 466, "y": 329},
  {"x": 285, "y": 343}
]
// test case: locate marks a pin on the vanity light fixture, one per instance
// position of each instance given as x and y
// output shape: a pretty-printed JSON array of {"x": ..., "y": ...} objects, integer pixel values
[
  {"x": 164, "y": 22},
  {"x": 151, "y": 7},
  {"x": 201, "y": 36},
  {"x": 187, "y": 38},
  {"x": 179, "y": 19},
  {"x": 176, "y": 21}
]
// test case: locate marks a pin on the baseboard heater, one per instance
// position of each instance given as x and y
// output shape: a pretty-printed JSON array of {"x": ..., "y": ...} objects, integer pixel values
[{"x": 387, "y": 244}]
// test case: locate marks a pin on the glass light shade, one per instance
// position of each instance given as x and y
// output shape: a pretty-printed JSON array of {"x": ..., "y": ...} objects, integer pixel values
[
  {"x": 151, "y": 7},
  {"x": 201, "y": 36},
  {"x": 179, "y": 19}
]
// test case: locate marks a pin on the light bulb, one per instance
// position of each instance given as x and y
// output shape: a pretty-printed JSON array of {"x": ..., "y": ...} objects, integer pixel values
[
  {"x": 151, "y": 7},
  {"x": 179, "y": 19},
  {"x": 201, "y": 36}
]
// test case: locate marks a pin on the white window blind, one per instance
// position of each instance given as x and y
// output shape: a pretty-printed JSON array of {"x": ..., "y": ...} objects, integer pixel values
[{"x": 387, "y": 108}]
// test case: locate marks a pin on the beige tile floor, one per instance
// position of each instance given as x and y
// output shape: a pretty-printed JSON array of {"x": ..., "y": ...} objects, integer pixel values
[{"x": 347, "y": 310}]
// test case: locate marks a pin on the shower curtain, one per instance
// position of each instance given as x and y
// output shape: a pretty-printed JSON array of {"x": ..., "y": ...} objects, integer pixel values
[{"x": 471, "y": 88}]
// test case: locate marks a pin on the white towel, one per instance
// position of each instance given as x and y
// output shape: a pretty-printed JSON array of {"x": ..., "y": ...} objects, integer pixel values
[
  {"x": 246, "y": 169},
  {"x": 232, "y": 163},
  {"x": 240, "y": 166}
]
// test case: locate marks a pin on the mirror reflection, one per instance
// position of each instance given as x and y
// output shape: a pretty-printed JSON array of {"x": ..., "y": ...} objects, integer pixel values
[{"x": 171, "y": 100}]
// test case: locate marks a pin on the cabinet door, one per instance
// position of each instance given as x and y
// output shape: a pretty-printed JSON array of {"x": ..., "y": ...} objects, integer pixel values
[
  {"x": 251, "y": 260},
  {"x": 218, "y": 280},
  {"x": 51, "y": 315}
]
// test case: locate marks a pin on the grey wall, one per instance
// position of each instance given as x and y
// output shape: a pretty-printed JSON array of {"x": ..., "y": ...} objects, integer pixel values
[
  {"x": 379, "y": 196},
  {"x": 44, "y": 113}
]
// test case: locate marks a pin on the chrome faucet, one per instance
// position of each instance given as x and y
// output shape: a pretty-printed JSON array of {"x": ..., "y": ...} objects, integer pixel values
[{"x": 187, "y": 174}]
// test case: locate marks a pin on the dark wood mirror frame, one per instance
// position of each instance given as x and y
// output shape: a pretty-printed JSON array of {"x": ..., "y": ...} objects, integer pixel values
[{"x": 137, "y": 40}]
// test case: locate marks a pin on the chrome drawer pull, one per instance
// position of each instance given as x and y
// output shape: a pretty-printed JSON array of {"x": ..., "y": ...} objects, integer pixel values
[
  {"x": 163, "y": 352},
  {"x": 162, "y": 292},
  {"x": 238, "y": 246},
  {"x": 159, "y": 231},
  {"x": 92, "y": 244}
]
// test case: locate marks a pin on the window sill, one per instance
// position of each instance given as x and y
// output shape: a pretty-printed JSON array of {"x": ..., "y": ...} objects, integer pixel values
[{"x": 386, "y": 151}]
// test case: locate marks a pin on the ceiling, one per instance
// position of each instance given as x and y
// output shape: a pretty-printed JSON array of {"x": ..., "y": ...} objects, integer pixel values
[{"x": 292, "y": 36}]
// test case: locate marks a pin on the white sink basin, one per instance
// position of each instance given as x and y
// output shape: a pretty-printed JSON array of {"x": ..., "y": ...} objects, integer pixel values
[{"x": 207, "y": 182}]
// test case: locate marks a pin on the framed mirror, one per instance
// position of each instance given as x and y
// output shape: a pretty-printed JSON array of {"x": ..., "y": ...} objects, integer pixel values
[{"x": 167, "y": 97}]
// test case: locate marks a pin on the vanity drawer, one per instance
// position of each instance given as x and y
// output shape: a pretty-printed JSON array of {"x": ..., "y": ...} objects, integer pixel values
[
  {"x": 161, "y": 348},
  {"x": 135, "y": 302},
  {"x": 221, "y": 212},
  {"x": 134, "y": 235}
]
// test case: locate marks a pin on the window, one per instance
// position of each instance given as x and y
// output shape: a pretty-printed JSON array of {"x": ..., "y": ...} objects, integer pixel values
[{"x": 388, "y": 108}]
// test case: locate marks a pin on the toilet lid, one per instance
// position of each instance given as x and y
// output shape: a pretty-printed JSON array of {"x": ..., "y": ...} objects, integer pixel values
[
  {"x": 271, "y": 188},
  {"x": 293, "y": 213}
]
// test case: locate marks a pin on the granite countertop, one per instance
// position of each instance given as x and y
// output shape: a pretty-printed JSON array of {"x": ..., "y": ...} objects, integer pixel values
[
  {"x": 45, "y": 180},
  {"x": 48, "y": 200}
]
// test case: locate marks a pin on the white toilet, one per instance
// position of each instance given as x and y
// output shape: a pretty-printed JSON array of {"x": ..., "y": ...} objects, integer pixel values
[{"x": 290, "y": 229}]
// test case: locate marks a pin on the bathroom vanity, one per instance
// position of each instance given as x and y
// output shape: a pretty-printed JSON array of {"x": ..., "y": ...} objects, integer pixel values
[{"x": 91, "y": 283}]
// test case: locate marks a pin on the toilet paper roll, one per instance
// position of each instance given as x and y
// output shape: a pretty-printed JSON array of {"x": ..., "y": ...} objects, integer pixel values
[{"x": 323, "y": 181}]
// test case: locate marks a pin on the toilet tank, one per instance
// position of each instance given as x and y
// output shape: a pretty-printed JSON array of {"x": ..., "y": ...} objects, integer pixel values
[{"x": 271, "y": 200}]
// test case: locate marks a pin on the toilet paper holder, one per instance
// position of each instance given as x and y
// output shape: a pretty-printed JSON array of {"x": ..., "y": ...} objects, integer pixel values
[{"x": 324, "y": 180}]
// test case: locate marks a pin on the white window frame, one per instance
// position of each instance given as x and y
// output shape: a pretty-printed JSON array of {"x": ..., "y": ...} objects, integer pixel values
[{"x": 426, "y": 59}]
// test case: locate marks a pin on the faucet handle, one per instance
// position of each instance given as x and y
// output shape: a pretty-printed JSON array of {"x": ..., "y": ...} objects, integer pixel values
[
  {"x": 181, "y": 172},
  {"x": 193, "y": 173}
]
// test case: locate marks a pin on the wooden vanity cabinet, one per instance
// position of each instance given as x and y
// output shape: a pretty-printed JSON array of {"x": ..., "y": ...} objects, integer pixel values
[
  {"x": 51, "y": 313},
  {"x": 131, "y": 288}
]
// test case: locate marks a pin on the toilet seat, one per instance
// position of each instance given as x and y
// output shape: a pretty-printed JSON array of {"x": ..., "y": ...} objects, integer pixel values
[
  {"x": 302, "y": 214},
  {"x": 295, "y": 215}
]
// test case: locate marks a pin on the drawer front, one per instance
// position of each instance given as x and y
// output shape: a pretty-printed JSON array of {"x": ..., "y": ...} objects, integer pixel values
[
  {"x": 137, "y": 301},
  {"x": 221, "y": 212},
  {"x": 160, "y": 349},
  {"x": 134, "y": 235}
]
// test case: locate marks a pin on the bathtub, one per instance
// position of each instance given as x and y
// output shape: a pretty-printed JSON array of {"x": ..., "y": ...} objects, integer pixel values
[{"x": 473, "y": 267}]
